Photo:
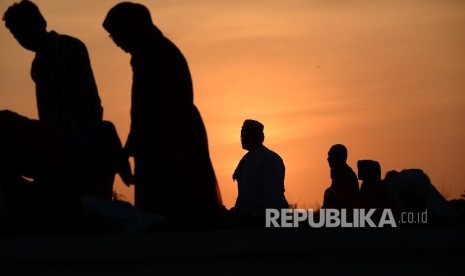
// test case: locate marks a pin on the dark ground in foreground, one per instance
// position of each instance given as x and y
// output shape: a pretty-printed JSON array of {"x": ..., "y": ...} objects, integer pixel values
[{"x": 406, "y": 250}]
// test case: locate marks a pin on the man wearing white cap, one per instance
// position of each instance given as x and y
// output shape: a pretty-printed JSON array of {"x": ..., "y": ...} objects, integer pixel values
[{"x": 259, "y": 175}]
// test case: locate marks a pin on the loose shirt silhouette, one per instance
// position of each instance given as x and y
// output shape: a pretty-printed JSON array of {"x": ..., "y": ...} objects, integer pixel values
[
  {"x": 260, "y": 176},
  {"x": 66, "y": 92},
  {"x": 67, "y": 97}
]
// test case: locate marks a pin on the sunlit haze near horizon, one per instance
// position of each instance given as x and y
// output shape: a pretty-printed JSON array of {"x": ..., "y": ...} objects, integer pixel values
[{"x": 384, "y": 78}]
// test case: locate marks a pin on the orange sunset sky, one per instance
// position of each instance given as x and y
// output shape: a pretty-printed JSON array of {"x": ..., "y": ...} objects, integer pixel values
[{"x": 385, "y": 78}]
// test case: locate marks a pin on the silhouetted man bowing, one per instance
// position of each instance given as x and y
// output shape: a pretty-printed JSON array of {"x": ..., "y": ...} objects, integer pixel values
[
  {"x": 260, "y": 177},
  {"x": 173, "y": 172},
  {"x": 66, "y": 92},
  {"x": 68, "y": 105},
  {"x": 69, "y": 151}
]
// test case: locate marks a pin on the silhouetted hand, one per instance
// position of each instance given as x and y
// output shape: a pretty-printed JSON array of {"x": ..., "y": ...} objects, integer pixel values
[
  {"x": 128, "y": 179},
  {"x": 125, "y": 171},
  {"x": 129, "y": 146}
]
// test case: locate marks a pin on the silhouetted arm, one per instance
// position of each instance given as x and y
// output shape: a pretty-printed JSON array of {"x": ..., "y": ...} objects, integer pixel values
[
  {"x": 129, "y": 146},
  {"x": 125, "y": 172},
  {"x": 273, "y": 184},
  {"x": 125, "y": 167}
]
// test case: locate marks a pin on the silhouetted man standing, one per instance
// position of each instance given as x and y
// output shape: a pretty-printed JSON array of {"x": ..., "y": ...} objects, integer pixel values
[
  {"x": 173, "y": 172},
  {"x": 343, "y": 192},
  {"x": 260, "y": 177}
]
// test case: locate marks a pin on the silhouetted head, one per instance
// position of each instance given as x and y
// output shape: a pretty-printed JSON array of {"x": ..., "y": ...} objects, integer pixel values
[
  {"x": 369, "y": 170},
  {"x": 27, "y": 24},
  {"x": 252, "y": 135},
  {"x": 390, "y": 175},
  {"x": 129, "y": 24},
  {"x": 337, "y": 156}
]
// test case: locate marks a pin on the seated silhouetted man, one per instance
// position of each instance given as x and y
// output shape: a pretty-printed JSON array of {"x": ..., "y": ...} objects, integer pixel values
[
  {"x": 69, "y": 151},
  {"x": 260, "y": 177},
  {"x": 173, "y": 171},
  {"x": 343, "y": 192},
  {"x": 372, "y": 191}
]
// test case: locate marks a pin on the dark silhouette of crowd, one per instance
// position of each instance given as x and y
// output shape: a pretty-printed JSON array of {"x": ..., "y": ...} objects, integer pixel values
[
  {"x": 409, "y": 191},
  {"x": 57, "y": 172}
]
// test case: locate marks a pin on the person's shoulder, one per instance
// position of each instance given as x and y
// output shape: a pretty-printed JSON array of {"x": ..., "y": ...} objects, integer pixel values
[
  {"x": 166, "y": 42},
  {"x": 272, "y": 155},
  {"x": 348, "y": 168},
  {"x": 171, "y": 48},
  {"x": 345, "y": 171},
  {"x": 67, "y": 41},
  {"x": 349, "y": 171}
]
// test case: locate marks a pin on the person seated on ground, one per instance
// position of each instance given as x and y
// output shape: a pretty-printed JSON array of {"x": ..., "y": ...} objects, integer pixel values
[
  {"x": 372, "y": 191},
  {"x": 411, "y": 191},
  {"x": 260, "y": 178},
  {"x": 33, "y": 150},
  {"x": 36, "y": 172},
  {"x": 343, "y": 192}
]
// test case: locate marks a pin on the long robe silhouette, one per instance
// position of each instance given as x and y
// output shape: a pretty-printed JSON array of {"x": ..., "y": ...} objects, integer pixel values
[{"x": 173, "y": 171}]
